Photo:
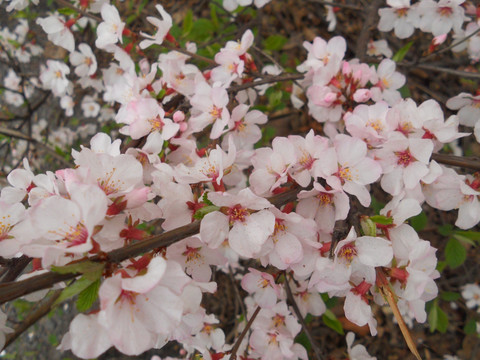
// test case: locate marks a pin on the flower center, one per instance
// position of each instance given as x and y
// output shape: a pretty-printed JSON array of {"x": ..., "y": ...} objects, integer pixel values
[
  {"x": 404, "y": 158},
  {"x": 192, "y": 254},
  {"x": 237, "y": 213},
  {"x": 347, "y": 252}
]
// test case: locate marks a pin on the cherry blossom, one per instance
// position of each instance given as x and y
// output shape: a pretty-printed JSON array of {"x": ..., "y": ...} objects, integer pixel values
[
  {"x": 58, "y": 31},
  {"x": 162, "y": 26},
  {"x": 245, "y": 212},
  {"x": 84, "y": 61},
  {"x": 401, "y": 16},
  {"x": 109, "y": 31}
]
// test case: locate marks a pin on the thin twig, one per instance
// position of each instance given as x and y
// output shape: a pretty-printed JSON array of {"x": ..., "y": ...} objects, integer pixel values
[
  {"x": 451, "y": 46},
  {"x": 315, "y": 347},
  {"x": 370, "y": 19},
  {"x": 338, "y": 5},
  {"x": 233, "y": 354},
  {"x": 435, "y": 68},
  {"x": 266, "y": 80},
  {"x": 33, "y": 317},
  {"x": 84, "y": 13},
  {"x": 186, "y": 52}
]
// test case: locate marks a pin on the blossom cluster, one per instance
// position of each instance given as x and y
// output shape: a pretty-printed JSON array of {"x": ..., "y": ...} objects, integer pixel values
[{"x": 372, "y": 137}]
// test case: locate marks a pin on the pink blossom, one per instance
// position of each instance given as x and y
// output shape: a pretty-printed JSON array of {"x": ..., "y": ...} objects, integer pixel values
[
  {"x": 262, "y": 286},
  {"x": 245, "y": 213}
]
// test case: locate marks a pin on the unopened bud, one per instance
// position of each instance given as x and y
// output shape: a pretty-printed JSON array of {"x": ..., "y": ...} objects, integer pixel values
[{"x": 368, "y": 226}]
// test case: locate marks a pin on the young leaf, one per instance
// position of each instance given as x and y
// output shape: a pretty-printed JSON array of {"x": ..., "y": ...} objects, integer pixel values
[
  {"x": 450, "y": 296},
  {"x": 200, "y": 213},
  {"x": 90, "y": 269},
  {"x": 382, "y": 220},
  {"x": 455, "y": 253},
  {"x": 275, "y": 42},
  {"x": 437, "y": 319},
  {"x": 88, "y": 296},
  {"x": 188, "y": 22},
  {"x": 332, "y": 322},
  {"x": 470, "y": 327},
  {"x": 419, "y": 222},
  {"x": 77, "y": 287},
  {"x": 400, "y": 54}
]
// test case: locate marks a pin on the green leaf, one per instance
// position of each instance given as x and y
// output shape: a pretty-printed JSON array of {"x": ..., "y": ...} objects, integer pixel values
[
  {"x": 131, "y": 18},
  {"x": 52, "y": 339},
  {"x": 200, "y": 213},
  {"x": 464, "y": 239},
  {"x": 205, "y": 198},
  {"x": 441, "y": 265},
  {"x": 275, "y": 98},
  {"x": 332, "y": 322},
  {"x": 437, "y": 319},
  {"x": 419, "y": 222},
  {"x": 445, "y": 230},
  {"x": 91, "y": 270},
  {"x": 213, "y": 15},
  {"x": 405, "y": 91},
  {"x": 470, "y": 327},
  {"x": 376, "y": 205},
  {"x": 268, "y": 133},
  {"x": 302, "y": 339},
  {"x": 382, "y": 220},
  {"x": 187, "y": 22},
  {"x": 455, "y": 253},
  {"x": 88, "y": 296},
  {"x": 474, "y": 235},
  {"x": 400, "y": 54},
  {"x": 274, "y": 42},
  {"x": 77, "y": 287},
  {"x": 450, "y": 296},
  {"x": 67, "y": 11},
  {"x": 202, "y": 30}
]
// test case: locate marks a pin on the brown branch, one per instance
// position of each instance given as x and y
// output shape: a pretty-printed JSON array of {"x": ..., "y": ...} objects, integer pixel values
[
  {"x": 16, "y": 267},
  {"x": 338, "y": 5},
  {"x": 33, "y": 317},
  {"x": 266, "y": 80},
  {"x": 186, "y": 52},
  {"x": 315, "y": 347},
  {"x": 12, "y": 290},
  {"x": 233, "y": 353},
  {"x": 370, "y": 19},
  {"x": 460, "y": 161},
  {"x": 440, "y": 69}
]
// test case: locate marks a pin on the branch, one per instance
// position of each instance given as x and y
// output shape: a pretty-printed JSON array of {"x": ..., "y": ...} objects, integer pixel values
[
  {"x": 370, "y": 16},
  {"x": 460, "y": 161},
  {"x": 233, "y": 353},
  {"x": 435, "y": 68},
  {"x": 33, "y": 317},
  {"x": 338, "y": 5},
  {"x": 16, "y": 267},
  {"x": 12, "y": 290},
  {"x": 452, "y": 45},
  {"x": 315, "y": 347},
  {"x": 266, "y": 80}
]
